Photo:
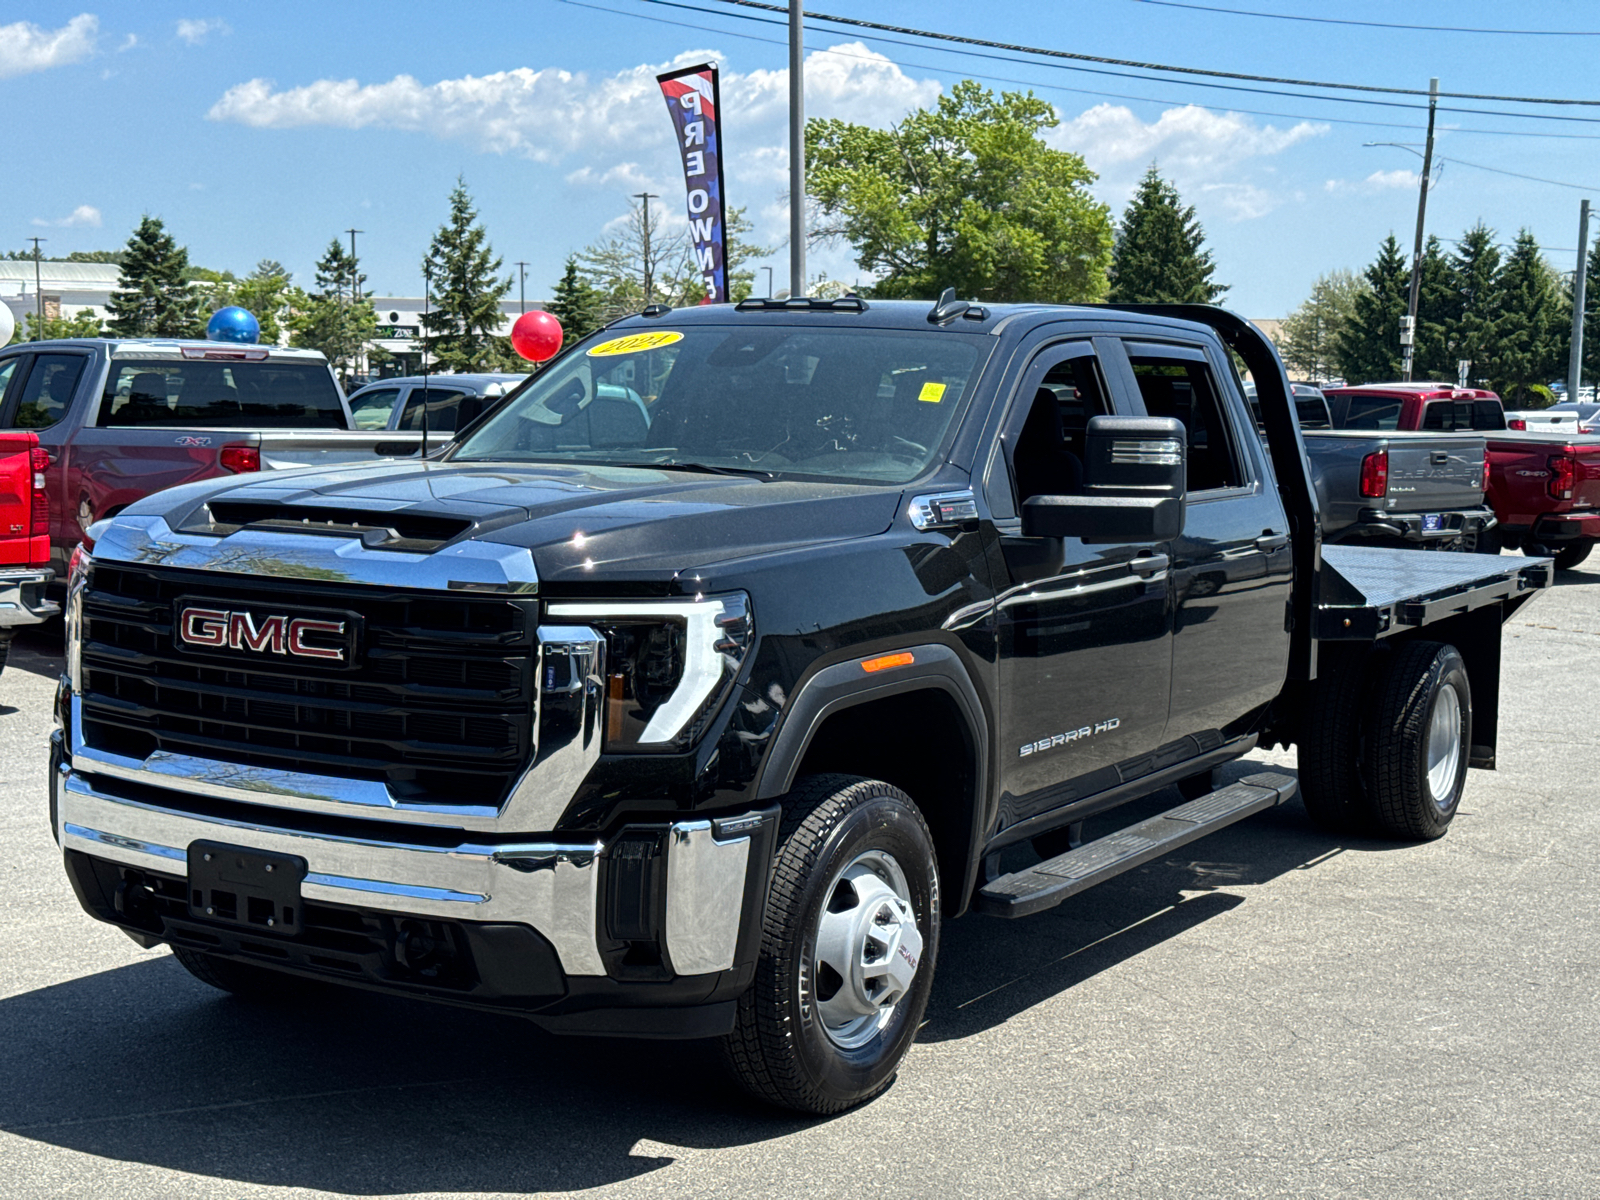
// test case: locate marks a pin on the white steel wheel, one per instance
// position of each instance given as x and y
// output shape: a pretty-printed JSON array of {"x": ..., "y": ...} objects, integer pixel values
[
  {"x": 867, "y": 948},
  {"x": 1444, "y": 748},
  {"x": 1419, "y": 740}
]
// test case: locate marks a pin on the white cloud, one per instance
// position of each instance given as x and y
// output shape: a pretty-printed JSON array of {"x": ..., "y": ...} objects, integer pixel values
[
  {"x": 128, "y": 43},
  {"x": 1242, "y": 201},
  {"x": 195, "y": 32},
  {"x": 85, "y": 216},
  {"x": 548, "y": 115},
  {"x": 24, "y": 47},
  {"x": 1379, "y": 181}
]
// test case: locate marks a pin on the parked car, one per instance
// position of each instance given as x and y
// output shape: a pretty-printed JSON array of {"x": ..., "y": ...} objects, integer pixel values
[
  {"x": 24, "y": 533},
  {"x": 119, "y": 419},
  {"x": 701, "y": 722},
  {"x": 1545, "y": 489},
  {"x": 453, "y": 401},
  {"x": 1439, "y": 407},
  {"x": 1423, "y": 490},
  {"x": 1574, "y": 416}
]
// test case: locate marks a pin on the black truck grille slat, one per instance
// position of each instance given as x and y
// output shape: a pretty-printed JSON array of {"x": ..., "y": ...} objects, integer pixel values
[{"x": 439, "y": 704}]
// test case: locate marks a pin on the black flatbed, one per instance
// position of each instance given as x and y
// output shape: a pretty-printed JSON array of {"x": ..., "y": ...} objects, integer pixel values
[{"x": 1368, "y": 592}]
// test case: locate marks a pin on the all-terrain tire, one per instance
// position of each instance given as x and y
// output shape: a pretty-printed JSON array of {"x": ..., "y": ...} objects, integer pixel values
[
  {"x": 779, "y": 1049},
  {"x": 242, "y": 979},
  {"x": 1569, "y": 556},
  {"x": 1419, "y": 740},
  {"x": 1331, "y": 746}
]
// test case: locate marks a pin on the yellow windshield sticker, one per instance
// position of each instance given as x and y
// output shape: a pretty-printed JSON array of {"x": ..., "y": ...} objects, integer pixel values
[
  {"x": 634, "y": 343},
  {"x": 931, "y": 392}
]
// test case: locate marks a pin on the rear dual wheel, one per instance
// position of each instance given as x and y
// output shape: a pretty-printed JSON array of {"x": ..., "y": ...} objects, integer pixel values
[
  {"x": 849, "y": 939},
  {"x": 1387, "y": 743}
]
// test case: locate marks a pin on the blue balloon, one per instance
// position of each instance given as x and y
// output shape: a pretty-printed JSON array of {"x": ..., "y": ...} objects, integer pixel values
[{"x": 233, "y": 324}]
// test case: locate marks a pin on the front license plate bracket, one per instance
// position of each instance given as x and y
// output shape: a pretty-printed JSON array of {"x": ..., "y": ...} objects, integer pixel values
[{"x": 236, "y": 885}]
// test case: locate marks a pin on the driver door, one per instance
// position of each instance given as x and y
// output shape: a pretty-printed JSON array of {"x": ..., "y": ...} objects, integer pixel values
[{"x": 1085, "y": 631}]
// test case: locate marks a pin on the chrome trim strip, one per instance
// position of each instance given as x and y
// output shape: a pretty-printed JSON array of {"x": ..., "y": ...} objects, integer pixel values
[
  {"x": 925, "y": 516},
  {"x": 552, "y": 887},
  {"x": 705, "y": 897},
  {"x": 570, "y": 725},
  {"x": 22, "y": 599},
  {"x": 465, "y": 566}
]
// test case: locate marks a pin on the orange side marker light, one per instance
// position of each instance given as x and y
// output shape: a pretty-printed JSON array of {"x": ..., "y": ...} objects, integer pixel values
[{"x": 886, "y": 661}]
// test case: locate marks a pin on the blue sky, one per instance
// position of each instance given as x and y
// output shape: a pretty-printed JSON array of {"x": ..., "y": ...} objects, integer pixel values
[{"x": 263, "y": 131}]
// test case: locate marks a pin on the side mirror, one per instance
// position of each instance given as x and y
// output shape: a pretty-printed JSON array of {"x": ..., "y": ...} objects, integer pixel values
[{"x": 1133, "y": 486}]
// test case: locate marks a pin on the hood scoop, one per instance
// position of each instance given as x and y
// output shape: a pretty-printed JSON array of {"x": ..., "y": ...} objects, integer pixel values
[{"x": 417, "y": 533}]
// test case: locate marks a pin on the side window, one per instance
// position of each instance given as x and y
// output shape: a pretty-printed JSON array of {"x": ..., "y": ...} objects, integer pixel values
[
  {"x": 47, "y": 392},
  {"x": 371, "y": 410},
  {"x": 1185, "y": 389},
  {"x": 1372, "y": 412},
  {"x": 8, "y": 372},
  {"x": 1047, "y": 455},
  {"x": 443, "y": 407}
]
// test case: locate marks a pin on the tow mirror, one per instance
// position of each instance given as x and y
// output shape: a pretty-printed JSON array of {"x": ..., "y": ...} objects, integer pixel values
[{"x": 1133, "y": 486}]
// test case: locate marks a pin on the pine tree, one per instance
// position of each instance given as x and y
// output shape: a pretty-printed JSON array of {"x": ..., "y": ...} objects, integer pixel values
[
  {"x": 1369, "y": 349},
  {"x": 1527, "y": 300},
  {"x": 265, "y": 293},
  {"x": 1159, "y": 256},
  {"x": 576, "y": 304},
  {"x": 1591, "y": 317},
  {"x": 330, "y": 319},
  {"x": 1473, "y": 267},
  {"x": 461, "y": 333},
  {"x": 1436, "y": 317},
  {"x": 151, "y": 298}
]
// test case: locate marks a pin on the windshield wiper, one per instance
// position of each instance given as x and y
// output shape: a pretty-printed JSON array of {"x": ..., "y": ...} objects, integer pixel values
[{"x": 708, "y": 469}]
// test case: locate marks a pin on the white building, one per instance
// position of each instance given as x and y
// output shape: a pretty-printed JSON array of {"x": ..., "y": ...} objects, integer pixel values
[{"x": 67, "y": 288}]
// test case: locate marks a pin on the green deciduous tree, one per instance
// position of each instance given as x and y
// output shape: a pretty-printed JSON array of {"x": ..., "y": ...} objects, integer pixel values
[
  {"x": 265, "y": 293},
  {"x": 152, "y": 297},
  {"x": 1159, "y": 256},
  {"x": 329, "y": 319},
  {"x": 964, "y": 195},
  {"x": 617, "y": 267},
  {"x": 84, "y": 325},
  {"x": 577, "y": 304},
  {"x": 461, "y": 333},
  {"x": 1369, "y": 347},
  {"x": 1312, "y": 333}
]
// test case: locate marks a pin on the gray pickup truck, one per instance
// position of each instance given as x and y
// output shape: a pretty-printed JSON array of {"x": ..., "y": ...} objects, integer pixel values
[{"x": 1386, "y": 487}]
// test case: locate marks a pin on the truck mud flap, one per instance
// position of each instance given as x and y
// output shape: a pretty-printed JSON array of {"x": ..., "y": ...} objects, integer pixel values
[{"x": 1048, "y": 883}]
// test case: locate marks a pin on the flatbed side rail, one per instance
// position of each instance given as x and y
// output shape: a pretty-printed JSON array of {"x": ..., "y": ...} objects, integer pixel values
[{"x": 1374, "y": 592}]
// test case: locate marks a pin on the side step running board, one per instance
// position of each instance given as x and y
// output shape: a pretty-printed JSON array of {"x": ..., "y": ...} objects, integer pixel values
[{"x": 1046, "y": 884}]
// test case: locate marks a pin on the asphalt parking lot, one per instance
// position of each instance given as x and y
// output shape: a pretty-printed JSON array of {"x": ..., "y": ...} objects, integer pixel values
[{"x": 1268, "y": 1012}]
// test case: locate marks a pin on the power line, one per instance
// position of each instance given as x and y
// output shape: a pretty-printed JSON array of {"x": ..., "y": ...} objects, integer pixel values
[
  {"x": 1581, "y": 187},
  {"x": 1243, "y": 12},
  {"x": 1145, "y": 66},
  {"x": 1254, "y": 112}
]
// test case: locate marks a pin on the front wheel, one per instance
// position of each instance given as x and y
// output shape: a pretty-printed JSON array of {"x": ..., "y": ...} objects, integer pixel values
[{"x": 849, "y": 939}]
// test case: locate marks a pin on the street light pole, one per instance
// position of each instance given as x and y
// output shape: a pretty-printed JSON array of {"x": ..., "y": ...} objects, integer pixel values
[
  {"x": 768, "y": 270},
  {"x": 522, "y": 286},
  {"x": 38, "y": 287},
  {"x": 646, "y": 197},
  {"x": 358, "y": 367},
  {"x": 1408, "y": 335},
  {"x": 797, "y": 150}
]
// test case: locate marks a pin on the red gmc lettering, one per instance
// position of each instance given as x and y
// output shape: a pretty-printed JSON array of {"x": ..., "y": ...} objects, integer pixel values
[
  {"x": 243, "y": 634},
  {"x": 204, "y": 627},
  {"x": 301, "y": 626}
]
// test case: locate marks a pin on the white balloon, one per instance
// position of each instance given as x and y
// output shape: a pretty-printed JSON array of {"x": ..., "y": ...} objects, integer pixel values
[{"x": 8, "y": 324}]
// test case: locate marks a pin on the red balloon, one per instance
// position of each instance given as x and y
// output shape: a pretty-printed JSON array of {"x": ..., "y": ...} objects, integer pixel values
[{"x": 536, "y": 336}]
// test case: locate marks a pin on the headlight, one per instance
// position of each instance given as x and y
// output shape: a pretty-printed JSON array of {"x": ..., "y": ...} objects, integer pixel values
[{"x": 669, "y": 663}]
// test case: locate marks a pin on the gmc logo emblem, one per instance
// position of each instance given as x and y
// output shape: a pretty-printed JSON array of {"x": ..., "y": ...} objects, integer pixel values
[{"x": 297, "y": 637}]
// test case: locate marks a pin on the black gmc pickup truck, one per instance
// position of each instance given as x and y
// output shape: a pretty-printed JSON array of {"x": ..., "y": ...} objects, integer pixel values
[{"x": 693, "y": 688}]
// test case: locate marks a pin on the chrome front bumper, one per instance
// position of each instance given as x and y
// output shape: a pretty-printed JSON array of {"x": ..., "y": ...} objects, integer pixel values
[
  {"x": 550, "y": 886},
  {"x": 22, "y": 600}
]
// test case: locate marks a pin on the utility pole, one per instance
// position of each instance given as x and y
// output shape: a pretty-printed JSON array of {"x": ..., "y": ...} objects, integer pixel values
[
  {"x": 1408, "y": 327},
  {"x": 646, "y": 197},
  {"x": 359, "y": 365},
  {"x": 797, "y": 150},
  {"x": 522, "y": 286},
  {"x": 38, "y": 288},
  {"x": 1579, "y": 285}
]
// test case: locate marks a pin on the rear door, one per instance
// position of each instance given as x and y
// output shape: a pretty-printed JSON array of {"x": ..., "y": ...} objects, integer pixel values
[
  {"x": 1231, "y": 565},
  {"x": 38, "y": 400},
  {"x": 1085, "y": 632},
  {"x": 444, "y": 409},
  {"x": 16, "y": 474}
]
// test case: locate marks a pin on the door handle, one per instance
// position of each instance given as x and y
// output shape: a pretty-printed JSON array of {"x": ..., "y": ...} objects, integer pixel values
[
  {"x": 1269, "y": 542},
  {"x": 1149, "y": 564}
]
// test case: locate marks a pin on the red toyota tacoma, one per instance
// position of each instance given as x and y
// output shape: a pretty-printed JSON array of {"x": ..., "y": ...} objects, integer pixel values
[
  {"x": 24, "y": 535},
  {"x": 1544, "y": 486}
]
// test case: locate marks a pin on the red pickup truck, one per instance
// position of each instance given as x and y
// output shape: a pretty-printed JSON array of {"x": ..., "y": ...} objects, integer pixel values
[
  {"x": 1544, "y": 486},
  {"x": 24, "y": 535}
]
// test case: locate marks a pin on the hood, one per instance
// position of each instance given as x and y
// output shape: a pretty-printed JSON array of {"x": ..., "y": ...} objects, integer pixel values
[{"x": 581, "y": 523}]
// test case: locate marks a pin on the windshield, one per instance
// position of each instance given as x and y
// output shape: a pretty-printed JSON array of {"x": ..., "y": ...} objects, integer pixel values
[
  {"x": 864, "y": 405},
  {"x": 242, "y": 395}
]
